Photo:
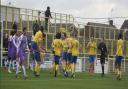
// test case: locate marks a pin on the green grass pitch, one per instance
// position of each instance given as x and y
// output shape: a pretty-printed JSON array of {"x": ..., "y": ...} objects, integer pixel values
[{"x": 47, "y": 81}]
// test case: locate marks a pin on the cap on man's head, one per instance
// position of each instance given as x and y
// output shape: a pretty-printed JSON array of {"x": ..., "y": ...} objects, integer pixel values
[{"x": 48, "y": 7}]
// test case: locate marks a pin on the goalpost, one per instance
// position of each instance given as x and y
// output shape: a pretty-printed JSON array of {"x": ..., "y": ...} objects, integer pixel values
[{"x": 1, "y": 51}]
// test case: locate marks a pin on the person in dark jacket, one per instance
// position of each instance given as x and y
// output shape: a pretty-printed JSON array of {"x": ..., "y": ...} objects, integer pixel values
[
  {"x": 14, "y": 27},
  {"x": 36, "y": 27},
  {"x": 5, "y": 42},
  {"x": 103, "y": 51},
  {"x": 47, "y": 16}
]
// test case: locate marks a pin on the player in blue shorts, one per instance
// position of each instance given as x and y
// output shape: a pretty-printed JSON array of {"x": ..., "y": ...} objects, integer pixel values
[
  {"x": 119, "y": 56},
  {"x": 57, "y": 50},
  {"x": 64, "y": 53},
  {"x": 92, "y": 52},
  {"x": 37, "y": 48},
  {"x": 75, "y": 54}
]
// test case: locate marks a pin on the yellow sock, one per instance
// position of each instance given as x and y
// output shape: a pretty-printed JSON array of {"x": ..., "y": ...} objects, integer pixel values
[
  {"x": 64, "y": 65},
  {"x": 118, "y": 72},
  {"x": 53, "y": 67},
  {"x": 69, "y": 67},
  {"x": 72, "y": 67},
  {"x": 56, "y": 67},
  {"x": 38, "y": 69},
  {"x": 42, "y": 56},
  {"x": 66, "y": 68}
]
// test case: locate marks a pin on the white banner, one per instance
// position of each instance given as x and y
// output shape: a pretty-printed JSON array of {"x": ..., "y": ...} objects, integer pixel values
[
  {"x": 46, "y": 64},
  {"x": 97, "y": 67},
  {"x": 79, "y": 65}
]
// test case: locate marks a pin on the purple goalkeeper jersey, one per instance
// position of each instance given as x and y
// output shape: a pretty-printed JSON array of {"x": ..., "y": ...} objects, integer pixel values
[
  {"x": 23, "y": 46},
  {"x": 11, "y": 48}
]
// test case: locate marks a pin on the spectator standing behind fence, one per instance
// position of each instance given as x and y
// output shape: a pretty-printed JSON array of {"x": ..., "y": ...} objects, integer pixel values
[
  {"x": 47, "y": 16},
  {"x": 14, "y": 27},
  {"x": 35, "y": 27},
  {"x": 5, "y": 42}
]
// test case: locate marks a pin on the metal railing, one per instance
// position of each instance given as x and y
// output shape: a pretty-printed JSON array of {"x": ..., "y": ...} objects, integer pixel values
[{"x": 26, "y": 18}]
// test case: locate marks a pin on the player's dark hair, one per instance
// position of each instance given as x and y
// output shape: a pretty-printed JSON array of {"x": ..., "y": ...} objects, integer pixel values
[
  {"x": 58, "y": 35},
  {"x": 12, "y": 33},
  {"x": 24, "y": 29},
  {"x": 120, "y": 36},
  {"x": 42, "y": 29}
]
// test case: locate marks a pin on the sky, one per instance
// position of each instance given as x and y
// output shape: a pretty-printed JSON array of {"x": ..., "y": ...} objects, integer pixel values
[{"x": 80, "y": 8}]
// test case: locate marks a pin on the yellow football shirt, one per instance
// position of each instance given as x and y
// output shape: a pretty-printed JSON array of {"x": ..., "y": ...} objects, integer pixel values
[
  {"x": 65, "y": 45},
  {"x": 57, "y": 46},
  {"x": 37, "y": 36},
  {"x": 91, "y": 48},
  {"x": 69, "y": 42},
  {"x": 75, "y": 47},
  {"x": 120, "y": 47}
]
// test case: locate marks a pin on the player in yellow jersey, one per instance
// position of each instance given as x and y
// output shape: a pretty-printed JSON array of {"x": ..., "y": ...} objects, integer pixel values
[
  {"x": 57, "y": 50},
  {"x": 37, "y": 48},
  {"x": 119, "y": 56},
  {"x": 64, "y": 53},
  {"x": 91, "y": 46},
  {"x": 69, "y": 54},
  {"x": 75, "y": 54}
]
